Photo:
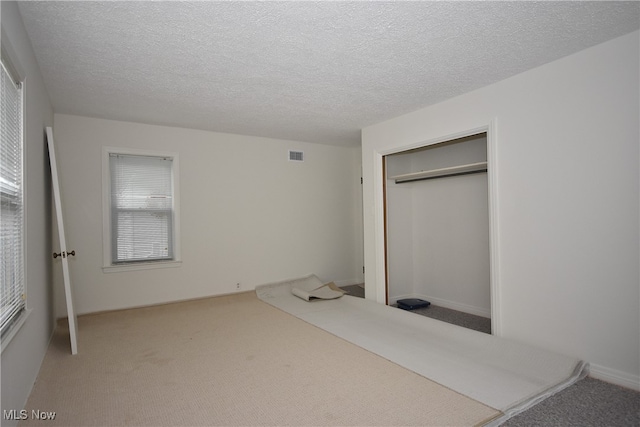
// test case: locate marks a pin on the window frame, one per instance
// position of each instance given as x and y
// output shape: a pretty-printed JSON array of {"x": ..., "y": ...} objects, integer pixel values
[
  {"x": 16, "y": 73},
  {"x": 108, "y": 266}
]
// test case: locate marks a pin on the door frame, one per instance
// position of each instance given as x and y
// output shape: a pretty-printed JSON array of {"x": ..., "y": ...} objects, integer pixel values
[{"x": 381, "y": 286}]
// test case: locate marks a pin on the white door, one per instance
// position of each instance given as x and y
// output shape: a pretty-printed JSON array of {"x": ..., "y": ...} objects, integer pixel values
[{"x": 64, "y": 254}]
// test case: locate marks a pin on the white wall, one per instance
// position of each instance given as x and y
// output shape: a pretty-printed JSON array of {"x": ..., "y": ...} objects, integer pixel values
[
  {"x": 248, "y": 214},
  {"x": 22, "y": 357},
  {"x": 567, "y": 141}
]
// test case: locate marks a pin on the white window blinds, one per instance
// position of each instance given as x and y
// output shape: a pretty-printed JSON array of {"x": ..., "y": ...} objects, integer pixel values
[
  {"x": 141, "y": 208},
  {"x": 12, "y": 297}
]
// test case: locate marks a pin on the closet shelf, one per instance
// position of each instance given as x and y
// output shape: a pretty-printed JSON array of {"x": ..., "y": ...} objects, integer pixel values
[{"x": 440, "y": 173}]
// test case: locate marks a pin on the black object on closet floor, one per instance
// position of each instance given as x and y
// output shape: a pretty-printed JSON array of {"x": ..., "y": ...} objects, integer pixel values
[{"x": 412, "y": 303}]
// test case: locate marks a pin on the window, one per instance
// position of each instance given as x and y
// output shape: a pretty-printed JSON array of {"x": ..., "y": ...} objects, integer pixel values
[
  {"x": 142, "y": 209},
  {"x": 12, "y": 297}
]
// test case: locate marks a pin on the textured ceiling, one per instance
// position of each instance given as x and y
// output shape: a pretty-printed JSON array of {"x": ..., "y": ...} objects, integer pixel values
[{"x": 307, "y": 71}]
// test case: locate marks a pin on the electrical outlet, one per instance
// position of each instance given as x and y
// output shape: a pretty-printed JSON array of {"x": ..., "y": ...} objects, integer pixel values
[{"x": 237, "y": 286}]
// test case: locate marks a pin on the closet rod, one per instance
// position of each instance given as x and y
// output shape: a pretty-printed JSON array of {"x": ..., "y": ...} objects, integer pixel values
[{"x": 441, "y": 173}]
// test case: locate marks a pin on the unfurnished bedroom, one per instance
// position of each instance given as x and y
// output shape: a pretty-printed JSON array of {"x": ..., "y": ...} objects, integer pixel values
[{"x": 320, "y": 213}]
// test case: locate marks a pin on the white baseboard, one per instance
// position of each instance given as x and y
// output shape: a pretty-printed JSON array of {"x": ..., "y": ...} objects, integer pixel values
[
  {"x": 453, "y": 305},
  {"x": 614, "y": 376}
]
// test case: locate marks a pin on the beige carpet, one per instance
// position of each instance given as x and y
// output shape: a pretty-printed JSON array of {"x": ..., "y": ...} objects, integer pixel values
[{"x": 231, "y": 360}]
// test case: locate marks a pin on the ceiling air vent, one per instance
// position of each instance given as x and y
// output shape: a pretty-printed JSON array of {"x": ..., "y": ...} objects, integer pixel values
[{"x": 296, "y": 156}]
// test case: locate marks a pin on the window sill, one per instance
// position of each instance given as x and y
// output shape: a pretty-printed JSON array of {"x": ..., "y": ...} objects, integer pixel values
[
  {"x": 15, "y": 328},
  {"x": 141, "y": 266}
]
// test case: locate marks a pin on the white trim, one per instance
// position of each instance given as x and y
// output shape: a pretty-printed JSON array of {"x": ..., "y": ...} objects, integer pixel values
[
  {"x": 107, "y": 266},
  {"x": 494, "y": 235},
  {"x": 422, "y": 144},
  {"x": 25, "y": 204},
  {"x": 614, "y": 376},
  {"x": 378, "y": 199},
  {"x": 140, "y": 266},
  {"x": 13, "y": 331},
  {"x": 379, "y": 226}
]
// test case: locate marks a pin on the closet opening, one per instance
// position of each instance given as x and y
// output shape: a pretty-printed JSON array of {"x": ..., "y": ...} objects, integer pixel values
[{"x": 437, "y": 237}]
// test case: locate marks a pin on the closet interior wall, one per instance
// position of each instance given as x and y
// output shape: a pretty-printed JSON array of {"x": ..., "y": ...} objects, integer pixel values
[{"x": 438, "y": 229}]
